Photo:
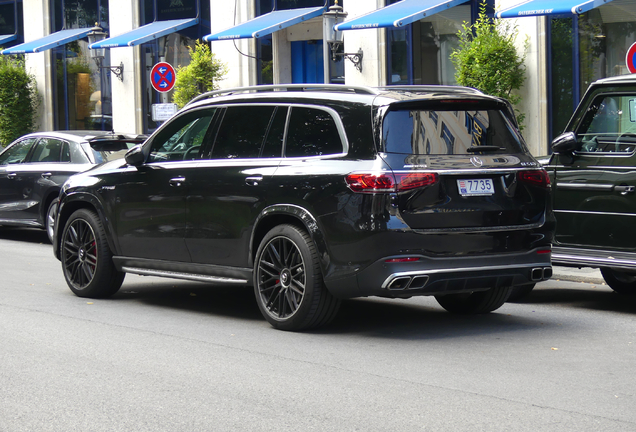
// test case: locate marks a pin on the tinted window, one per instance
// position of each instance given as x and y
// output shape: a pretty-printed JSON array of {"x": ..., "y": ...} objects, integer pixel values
[
  {"x": 273, "y": 146},
  {"x": 17, "y": 152},
  {"x": 184, "y": 138},
  {"x": 312, "y": 132},
  {"x": 609, "y": 125},
  {"x": 242, "y": 132},
  {"x": 47, "y": 150},
  {"x": 447, "y": 132}
]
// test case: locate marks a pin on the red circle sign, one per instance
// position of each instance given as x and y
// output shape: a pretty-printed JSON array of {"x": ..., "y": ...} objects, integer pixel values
[
  {"x": 162, "y": 77},
  {"x": 630, "y": 58}
]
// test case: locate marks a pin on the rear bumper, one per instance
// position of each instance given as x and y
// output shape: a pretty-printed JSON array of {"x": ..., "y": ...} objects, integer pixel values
[{"x": 434, "y": 276}]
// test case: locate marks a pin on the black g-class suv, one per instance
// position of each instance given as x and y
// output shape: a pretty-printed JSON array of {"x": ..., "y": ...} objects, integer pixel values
[{"x": 317, "y": 193}]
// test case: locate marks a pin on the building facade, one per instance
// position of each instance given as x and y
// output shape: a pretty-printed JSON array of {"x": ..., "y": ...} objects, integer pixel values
[{"x": 386, "y": 42}]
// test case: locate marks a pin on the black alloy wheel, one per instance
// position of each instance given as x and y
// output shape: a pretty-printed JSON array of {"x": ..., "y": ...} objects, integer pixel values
[
  {"x": 86, "y": 257},
  {"x": 477, "y": 302},
  {"x": 288, "y": 283}
]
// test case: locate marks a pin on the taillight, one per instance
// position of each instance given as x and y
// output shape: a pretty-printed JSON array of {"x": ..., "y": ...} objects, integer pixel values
[
  {"x": 387, "y": 182},
  {"x": 535, "y": 177},
  {"x": 366, "y": 182},
  {"x": 415, "y": 180}
]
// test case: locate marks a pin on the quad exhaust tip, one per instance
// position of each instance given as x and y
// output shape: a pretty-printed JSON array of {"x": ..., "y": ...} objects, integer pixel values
[
  {"x": 541, "y": 274},
  {"x": 408, "y": 282}
]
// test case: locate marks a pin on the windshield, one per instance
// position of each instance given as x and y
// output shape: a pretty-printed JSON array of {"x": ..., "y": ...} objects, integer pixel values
[{"x": 439, "y": 132}]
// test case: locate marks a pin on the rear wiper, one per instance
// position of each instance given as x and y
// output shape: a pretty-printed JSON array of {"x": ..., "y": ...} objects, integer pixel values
[{"x": 483, "y": 148}]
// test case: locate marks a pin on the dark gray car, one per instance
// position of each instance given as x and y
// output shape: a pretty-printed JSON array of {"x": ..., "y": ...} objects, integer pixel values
[{"x": 34, "y": 167}]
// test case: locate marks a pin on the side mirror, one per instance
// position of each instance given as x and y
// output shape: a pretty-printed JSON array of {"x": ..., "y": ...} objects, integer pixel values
[
  {"x": 135, "y": 156},
  {"x": 565, "y": 143}
]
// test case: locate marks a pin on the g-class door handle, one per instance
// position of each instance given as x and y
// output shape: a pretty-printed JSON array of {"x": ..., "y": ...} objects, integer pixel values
[
  {"x": 46, "y": 175},
  {"x": 624, "y": 190},
  {"x": 12, "y": 176},
  {"x": 177, "y": 181},
  {"x": 253, "y": 181}
]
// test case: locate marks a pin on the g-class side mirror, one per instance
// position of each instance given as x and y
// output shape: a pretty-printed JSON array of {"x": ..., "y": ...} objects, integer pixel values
[
  {"x": 564, "y": 143},
  {"x": 135, "y": 156}
]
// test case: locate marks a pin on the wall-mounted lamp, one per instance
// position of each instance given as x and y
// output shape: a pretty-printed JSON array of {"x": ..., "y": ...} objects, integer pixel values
[
  {"x": 97, "y": 34},
  {"x": 335, "y": 38}
]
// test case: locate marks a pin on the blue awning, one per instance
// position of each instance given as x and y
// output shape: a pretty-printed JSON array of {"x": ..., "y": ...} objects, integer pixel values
[
  {"x": 550, "y": 7},
  {"x": 7, "y": 38},
  {"x": 267, "y": 24},
  {"x": 51, "y": 41},
  {"x": 398, "y": 14},
  {"x": 145, "y": 33}
]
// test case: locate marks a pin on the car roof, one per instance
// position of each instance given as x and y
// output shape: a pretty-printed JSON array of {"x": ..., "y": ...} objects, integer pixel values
[
  {"x": 81, "y": 135},
  {"x": 621, "y": 79},
  {"x": 336, "y": 92}
]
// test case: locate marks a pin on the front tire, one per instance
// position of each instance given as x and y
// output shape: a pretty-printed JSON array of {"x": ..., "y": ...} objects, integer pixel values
[
  {"x": 288, "y": 282},
  {"x": 623, "y": 282},
  {"x": 477, "y": 302},
  {"x": 86, "y": 258},
  {"x": 49, "y": 219}
]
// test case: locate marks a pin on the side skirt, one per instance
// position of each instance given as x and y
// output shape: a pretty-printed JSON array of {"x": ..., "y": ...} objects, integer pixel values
[
  {"x": 572, "y": 257},
  {"x": 186, "y": 271}
]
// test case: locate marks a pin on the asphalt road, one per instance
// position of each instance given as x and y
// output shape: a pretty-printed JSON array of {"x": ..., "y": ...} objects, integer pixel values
[{"x": 165, "y": 355}]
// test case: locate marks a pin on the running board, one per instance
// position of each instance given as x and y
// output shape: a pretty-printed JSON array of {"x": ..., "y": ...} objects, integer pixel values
[{"x": 185, "y": 276}]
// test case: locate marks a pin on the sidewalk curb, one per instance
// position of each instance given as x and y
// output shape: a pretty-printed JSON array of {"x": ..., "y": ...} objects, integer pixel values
[{"x": 573, "y": 274}]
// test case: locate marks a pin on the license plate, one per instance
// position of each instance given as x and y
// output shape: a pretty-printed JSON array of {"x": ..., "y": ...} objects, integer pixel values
[{"x": 475, "y": 187}]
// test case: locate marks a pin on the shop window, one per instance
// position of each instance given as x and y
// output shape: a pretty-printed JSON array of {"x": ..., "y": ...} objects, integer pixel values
[
  {"x": 420, "y": 53},
  {"x": 82, "y": 91},
  {"x": 584, "y": 49},
  {"x": 174, "y": 48}
]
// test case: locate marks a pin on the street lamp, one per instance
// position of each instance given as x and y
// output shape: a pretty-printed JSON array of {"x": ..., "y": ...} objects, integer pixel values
[
  {"x": 97, "y": 34},
  {"x": 335, "y": 38}
]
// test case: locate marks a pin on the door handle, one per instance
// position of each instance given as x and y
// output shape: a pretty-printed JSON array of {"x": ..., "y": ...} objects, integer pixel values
[
  {"x": 254, "y": 180},
  {"x": 12, "y": 176},
  {"x": 46, "y": 175},
  {"x": 624, "y": 190},
  {"x": 177, "y": 181}
]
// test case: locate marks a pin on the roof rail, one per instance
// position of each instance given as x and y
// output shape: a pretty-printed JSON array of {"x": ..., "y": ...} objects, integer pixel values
[
  {"x": 430, "y": 88},
  {"x": 286, "y": 87}
]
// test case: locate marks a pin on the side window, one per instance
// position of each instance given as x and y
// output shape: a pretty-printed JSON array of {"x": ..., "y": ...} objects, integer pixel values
[
  {"x": 242, "y": 132},
  {"x": 609, "y": 125},
  {"x": 17, "y": 152},
  {"x": 312, "y": 132},
  {"x": 184, "y": 138},
  {"x": 47, "y": 150},
  {"x": 273, "y": 145}
]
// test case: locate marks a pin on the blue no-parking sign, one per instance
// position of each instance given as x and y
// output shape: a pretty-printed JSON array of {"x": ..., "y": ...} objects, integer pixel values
[
  {"x": 162, "y": 77},
  {"x": 630, "y": 58}
]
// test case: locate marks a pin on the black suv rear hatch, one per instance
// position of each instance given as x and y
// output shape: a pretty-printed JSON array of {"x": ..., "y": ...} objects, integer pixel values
[{"x": 461, "y": 164}]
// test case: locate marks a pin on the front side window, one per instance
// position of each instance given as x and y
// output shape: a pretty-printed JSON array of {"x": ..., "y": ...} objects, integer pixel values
[
  {"x": 609, "y": 125},
  {"x": 184, "y": 138},
  {"x": 49, "y": 150},
  {"x": 17, "y": 152},
  {"x": 425, "y": 132},
  {"x": 312, "y": 132}
]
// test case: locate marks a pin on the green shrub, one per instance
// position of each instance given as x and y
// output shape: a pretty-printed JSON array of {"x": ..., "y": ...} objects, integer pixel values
[
  {"x": 19, "y": 100},
  {"x": 487, "y": 58},
  {"x": 200, "y": 76}
]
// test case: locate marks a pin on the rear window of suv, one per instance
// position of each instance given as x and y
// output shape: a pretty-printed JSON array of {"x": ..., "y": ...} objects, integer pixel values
[{"x": 447, "y": 132}]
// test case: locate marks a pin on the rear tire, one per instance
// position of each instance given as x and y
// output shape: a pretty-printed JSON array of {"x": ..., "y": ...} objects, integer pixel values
[
  {"x": 86, "y": 258},
  {"x": 477, "y": 302},
  {"x": 623, "y": 282},
  {"x": 520, "y": 291},
  {"x": 288, "y": 282}
]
